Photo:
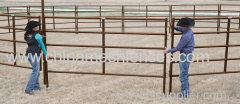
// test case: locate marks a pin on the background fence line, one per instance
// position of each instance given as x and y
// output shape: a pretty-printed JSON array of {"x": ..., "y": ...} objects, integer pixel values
[{"x": 171, "y": 10}]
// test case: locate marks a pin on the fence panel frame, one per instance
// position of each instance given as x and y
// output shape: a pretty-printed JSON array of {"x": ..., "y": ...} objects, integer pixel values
[{"x": 103, "y": 46}]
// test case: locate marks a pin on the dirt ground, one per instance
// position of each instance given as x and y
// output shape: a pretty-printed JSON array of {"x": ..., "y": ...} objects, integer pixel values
[{"x": 92, "y": 89}]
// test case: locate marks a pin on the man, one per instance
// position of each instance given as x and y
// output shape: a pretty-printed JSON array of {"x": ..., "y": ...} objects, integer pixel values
[{"x": 186, "y": 47}]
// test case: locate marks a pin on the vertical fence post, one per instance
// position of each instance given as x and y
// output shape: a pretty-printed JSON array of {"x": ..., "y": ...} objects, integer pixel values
[
  {"x": 165, "y": 56},
  {"x": 28, "y": 12},
  {"x": 40, "y": 30},
  {"x": 103, "y": 45},
  {"x": 76, "y": 19},
  {"x": 171, "y": 63},
  {"x": 219, "y": 14},
  {"x": 44, "y": 41},
  {"x": 39, "y": 20},
  {"x": 123, "y": 15},
  {"x": 170, "y": 16},
  {"x": 14, "y": 38},
  {"x": 8, "y": 20},
  {"x": 194, "y": 11},
  {"x": 239, "y": 21},
  {"x": 53, "y": 13},
  {"x": 100, "y": 15},
  {"x": 146, "y": 15},
  {"x": 227, "y": 43}
]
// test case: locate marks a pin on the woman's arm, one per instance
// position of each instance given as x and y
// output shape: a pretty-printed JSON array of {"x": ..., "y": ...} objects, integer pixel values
[{"x": 38, "y": 37}]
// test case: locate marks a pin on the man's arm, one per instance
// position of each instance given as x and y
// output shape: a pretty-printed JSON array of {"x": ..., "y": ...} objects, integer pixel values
[
  {"x": 183, "y": 42},
  {"x": 38, "y": 37},
  {"x": 177, "y": 28}
]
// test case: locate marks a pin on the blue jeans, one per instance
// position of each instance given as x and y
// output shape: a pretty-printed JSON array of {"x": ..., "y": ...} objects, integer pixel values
[
  {"x": 33, "y": 83},
  {"x": 183, "y": 76}
]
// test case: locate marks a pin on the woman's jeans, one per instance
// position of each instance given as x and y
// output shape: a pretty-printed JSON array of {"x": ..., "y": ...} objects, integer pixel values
[
  {"x": 184, "y": 62},
  {"x": 33, "y": 83}
]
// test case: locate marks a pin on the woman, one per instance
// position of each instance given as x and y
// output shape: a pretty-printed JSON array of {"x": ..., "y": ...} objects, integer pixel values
[{"x": 34, "y": 40}]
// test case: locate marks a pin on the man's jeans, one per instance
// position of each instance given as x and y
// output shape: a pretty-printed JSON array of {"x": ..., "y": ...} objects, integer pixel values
[
  {"x": 33, "y": 83},
  {"x": 184, "y": 62}
]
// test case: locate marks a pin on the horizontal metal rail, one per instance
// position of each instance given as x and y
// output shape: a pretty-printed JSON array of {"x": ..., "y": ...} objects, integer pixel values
[{"x": 111, "y": 74}]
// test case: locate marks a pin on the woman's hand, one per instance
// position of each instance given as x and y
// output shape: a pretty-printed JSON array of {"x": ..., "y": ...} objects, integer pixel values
[{"x": 47, "y": 57}]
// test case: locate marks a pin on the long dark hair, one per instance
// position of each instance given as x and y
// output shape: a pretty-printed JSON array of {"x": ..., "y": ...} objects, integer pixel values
[{"x": 29, "y": 31}]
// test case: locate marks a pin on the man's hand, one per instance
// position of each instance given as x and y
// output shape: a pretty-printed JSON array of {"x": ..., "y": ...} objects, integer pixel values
[{"x": 165, "y": 51}]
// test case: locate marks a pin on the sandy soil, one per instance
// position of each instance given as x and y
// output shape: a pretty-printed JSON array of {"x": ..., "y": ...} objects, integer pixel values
[{"x": 91, "y": 89}]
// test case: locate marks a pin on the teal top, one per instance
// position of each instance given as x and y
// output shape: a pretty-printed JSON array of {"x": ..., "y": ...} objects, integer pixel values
[{"x": 39, "y": 39}]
